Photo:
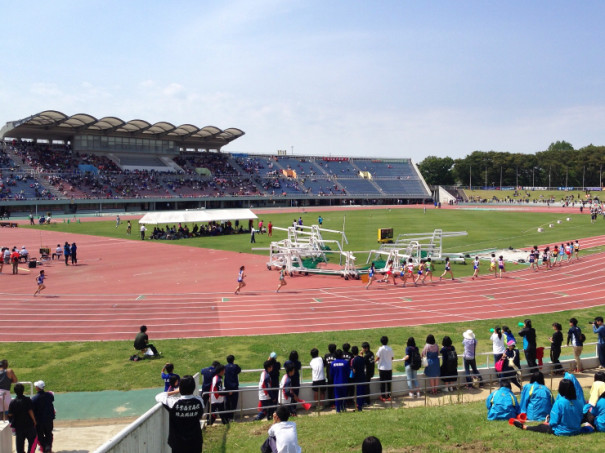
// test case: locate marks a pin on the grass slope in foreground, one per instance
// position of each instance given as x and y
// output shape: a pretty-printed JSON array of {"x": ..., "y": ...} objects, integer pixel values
[
  {"x": 93, "y": 366},
  {"x": 431, "y": 429}
]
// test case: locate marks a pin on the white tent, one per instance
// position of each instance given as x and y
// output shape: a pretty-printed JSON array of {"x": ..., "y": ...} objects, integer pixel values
[{"x": 197, "y": 216}]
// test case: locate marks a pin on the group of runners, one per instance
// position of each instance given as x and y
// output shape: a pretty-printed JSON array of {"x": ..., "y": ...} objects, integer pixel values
[
  {"x": 410, "y": 271},
  {"x": 555, "y": 256},
  {"x": 417, "y": 273}
]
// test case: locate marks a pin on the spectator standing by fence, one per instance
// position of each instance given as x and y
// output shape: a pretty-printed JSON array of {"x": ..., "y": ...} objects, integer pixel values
[
  {"x": 575, "y": 337},
  {"x": 184, "y": 430},
  {"x": 384, "y": 359},
  {"x": 7, "y": 378},
  {"x": 556, "y": 341},
  {"x": 44, "y": 412},
  {"x": 22, "y": 419},
  {"x": 599, "y": 329},
  {"x": 232, "y": 371},
  {"x": 469, "y": 357},
  {"x": 529, "y": 344}
]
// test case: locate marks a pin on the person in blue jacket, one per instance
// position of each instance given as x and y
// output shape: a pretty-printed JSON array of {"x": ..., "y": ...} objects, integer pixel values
[
  {"x": 340, "y": 370},
  {"x": 502, "y": 404},
  {"x": 565, "y": 418},
  {"x": 536, "y": 399},
  {"x": 580, "y": 401}
]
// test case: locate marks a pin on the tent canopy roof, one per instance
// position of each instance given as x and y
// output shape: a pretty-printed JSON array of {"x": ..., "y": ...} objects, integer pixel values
[{"x": 197, "y": 216}]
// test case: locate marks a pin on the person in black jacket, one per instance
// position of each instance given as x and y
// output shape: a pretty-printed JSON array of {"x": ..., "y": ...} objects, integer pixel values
[
  {"x": 555, "y": 348},
  {"x": 231, "y": 382},
  {"x": 21, "y": 418},
  {"x": 184, "y": 430},
  {"x": 529, "y": 344}
]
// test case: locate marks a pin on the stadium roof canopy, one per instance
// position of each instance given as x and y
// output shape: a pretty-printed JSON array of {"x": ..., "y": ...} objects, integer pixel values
[
  {"x": 198, "y": 215},
  {"x": 54, "y": 125}
]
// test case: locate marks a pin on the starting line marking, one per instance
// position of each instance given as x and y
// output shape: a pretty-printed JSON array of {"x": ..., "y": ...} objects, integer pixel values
[
  {"x": 317, "y": 301},
  {"x": 141, "y": 297},
  {"x": 562, "y": 294},
  {"x": 407, "y": 299},
  {"x": 489, "y": 297}
]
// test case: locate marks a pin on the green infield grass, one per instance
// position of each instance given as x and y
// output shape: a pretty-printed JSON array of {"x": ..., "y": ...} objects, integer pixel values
[{"x": 486, "y": 230}]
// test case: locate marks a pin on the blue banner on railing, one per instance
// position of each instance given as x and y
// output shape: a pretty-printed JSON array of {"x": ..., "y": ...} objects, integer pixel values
[{"x": 594, "y": 189}]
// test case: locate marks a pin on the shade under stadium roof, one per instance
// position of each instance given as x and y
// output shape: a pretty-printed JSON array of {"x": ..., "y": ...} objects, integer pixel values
[
  {"x": 197, "y": 216},
  {"x": 54, "y": 125}
]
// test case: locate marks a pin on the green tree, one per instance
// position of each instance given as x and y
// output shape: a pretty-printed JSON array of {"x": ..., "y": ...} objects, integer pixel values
[{"x": 437, "y": 170}]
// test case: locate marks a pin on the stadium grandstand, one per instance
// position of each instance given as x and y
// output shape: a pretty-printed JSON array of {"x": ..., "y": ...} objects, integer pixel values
[{"x": 54, "y": 162}]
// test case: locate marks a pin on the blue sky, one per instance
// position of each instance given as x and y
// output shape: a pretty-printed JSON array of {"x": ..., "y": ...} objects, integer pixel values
[{"x": 359, "y": 78}]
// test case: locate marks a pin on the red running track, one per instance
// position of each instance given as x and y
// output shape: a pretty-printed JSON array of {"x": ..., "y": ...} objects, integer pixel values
[{"x": 187, "y": 292}]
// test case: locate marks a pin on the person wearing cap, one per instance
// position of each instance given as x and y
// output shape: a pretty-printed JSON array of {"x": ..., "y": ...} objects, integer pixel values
[
  {"x": 44, "y": 411},
  {"x": 470, "y": 348},
  {"x": 511, "y": 369}
]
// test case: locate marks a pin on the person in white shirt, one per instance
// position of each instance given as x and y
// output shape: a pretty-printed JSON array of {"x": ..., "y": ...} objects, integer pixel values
[
  {"x": 283, "y": 437},
  {"x": 317, "y": 375},
  {"x": 384, "y": 359}
]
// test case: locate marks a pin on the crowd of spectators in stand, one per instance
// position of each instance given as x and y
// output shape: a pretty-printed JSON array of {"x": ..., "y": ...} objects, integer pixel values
[
  {"x": 211, "y": 229},
  {"x": 64, "y": 176}
]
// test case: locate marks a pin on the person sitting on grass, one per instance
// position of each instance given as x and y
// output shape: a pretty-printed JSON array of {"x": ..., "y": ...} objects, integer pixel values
[
  {"x": 502, "y": 404},
  {"x": 565, "y": 417},
  {"x": 282, "y": 434},
  {"x": 536, "y": 399},
  {"x": 371, "y": 444},
  {"x": 598, "y": 413},
  {"x": 141, "y": 342}
]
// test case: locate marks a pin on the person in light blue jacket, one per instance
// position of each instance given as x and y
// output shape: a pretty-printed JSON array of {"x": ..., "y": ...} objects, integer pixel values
[
  {"x": 565, "y": 418},
  {"x": 502, "y": 404},
  {"x": 536, "y": 399},
  {"x": 580, "y": 401}
]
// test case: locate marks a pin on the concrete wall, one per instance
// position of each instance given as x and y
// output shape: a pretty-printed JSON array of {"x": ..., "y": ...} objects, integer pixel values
[
  {"x": 6, "y": 437},
  {"x": 148, "y": 433}
]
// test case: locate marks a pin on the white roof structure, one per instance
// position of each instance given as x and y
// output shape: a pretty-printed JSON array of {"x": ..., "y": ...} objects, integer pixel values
[{"x": 197, "y": 216}]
